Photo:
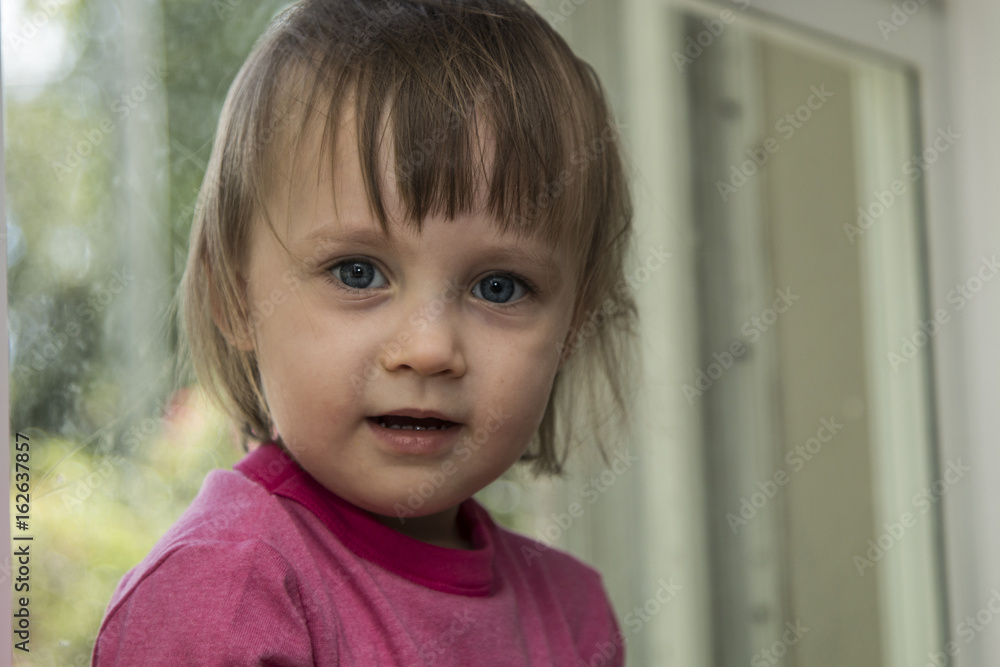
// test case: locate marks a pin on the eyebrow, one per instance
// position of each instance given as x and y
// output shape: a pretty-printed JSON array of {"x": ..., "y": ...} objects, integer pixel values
[
  {"x": 332, "y": 233},
  {"x": 544, "y": 262}
]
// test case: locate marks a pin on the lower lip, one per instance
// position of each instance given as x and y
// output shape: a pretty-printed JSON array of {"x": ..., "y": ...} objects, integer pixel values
[{"x": 412, "y": 441}]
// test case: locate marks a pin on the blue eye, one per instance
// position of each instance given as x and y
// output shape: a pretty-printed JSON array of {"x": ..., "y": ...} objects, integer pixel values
[
  {"x": 359, "y": 274},
  {"x": 499, "y": 288}
]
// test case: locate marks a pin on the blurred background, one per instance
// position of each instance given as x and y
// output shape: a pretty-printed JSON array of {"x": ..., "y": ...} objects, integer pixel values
[{"x": 815, "y": 430}]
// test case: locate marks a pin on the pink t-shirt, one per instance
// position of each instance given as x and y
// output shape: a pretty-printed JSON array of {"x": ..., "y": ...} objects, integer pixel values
[{"x": 268, "y": 567}]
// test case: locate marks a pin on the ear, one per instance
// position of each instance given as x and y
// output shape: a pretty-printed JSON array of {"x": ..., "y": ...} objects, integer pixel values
[{"x": 237, "y": 333}]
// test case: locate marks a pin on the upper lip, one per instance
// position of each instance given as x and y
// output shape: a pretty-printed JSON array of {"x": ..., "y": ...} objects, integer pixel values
[{"x": 417, "y": 414}]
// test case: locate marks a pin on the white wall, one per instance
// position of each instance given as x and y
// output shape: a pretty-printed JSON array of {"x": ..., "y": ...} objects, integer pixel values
[{"x": 972, "y": 427}]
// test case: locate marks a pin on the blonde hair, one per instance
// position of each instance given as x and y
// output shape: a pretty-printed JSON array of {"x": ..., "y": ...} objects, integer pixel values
[{"x": 556, "y": 172}]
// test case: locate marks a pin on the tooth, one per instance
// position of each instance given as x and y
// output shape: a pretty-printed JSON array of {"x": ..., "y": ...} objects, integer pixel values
[{"x": 409, "y": 427}]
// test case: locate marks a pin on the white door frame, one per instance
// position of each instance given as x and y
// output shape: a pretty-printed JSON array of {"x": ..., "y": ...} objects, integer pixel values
[{"x": 655, "y": 108}]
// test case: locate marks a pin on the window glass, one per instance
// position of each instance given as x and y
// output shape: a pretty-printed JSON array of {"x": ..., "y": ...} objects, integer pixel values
[{"x": 110, "y": 109}]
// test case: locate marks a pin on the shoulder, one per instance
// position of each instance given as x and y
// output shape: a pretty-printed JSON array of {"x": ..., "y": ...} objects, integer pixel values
[
  {"x": 218, "y": 572},
  {"x": 544, "y": 567},
  {"x": 229, "y": 509},
  {"x": 231, "y": 515},
  {"x": 221, "y": 509},
  {"x": 548, "y": 561},
  {"x": 564, "y": 584}
]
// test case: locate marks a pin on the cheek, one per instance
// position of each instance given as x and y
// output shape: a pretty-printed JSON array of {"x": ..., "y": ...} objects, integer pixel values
[
  {"x": 313, "y": 358},
  {"x": 522, "y": 380},
  {"x": 287, "y": 367}
]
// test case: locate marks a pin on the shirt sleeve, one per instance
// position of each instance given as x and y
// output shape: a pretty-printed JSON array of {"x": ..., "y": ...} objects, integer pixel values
[
  {"x": 209, "y": 604},
  {"x": 600, "y": 640},
  {"x": 618, "y": 637},
  {"x": 612, "y": 649}
]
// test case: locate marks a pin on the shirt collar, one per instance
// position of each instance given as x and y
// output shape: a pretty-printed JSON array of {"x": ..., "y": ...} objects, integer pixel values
[{"x": 456, "y": 571}]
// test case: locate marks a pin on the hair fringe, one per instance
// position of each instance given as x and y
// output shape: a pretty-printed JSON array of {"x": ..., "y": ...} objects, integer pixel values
[{"x": 481, "y": 66}]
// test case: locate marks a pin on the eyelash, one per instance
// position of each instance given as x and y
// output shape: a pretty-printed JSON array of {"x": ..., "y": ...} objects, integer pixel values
[
  {"x": 330, "y": 276},
  {"x": 529, "y": 289}
]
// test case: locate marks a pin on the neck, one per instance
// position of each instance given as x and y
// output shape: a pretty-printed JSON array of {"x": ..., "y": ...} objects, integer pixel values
[{"x": 440, "y": 529}]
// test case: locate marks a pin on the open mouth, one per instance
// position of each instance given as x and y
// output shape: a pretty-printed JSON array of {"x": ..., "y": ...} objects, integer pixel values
[{"x": 401, "y": 423}]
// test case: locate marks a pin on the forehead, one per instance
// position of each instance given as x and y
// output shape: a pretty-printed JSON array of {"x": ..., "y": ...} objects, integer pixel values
[
  {"x": 320, "y": 189},
  {"x": 427, "y": 150}
]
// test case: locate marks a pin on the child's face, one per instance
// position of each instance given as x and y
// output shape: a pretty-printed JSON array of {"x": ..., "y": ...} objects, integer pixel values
[{"x": 422, "y": 331}]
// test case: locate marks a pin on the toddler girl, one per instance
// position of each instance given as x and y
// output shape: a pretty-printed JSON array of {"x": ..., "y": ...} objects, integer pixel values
[{"x": 404, "y": 272}]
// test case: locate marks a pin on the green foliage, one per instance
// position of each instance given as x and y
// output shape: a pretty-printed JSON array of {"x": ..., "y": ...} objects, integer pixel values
[
  {"x": 108, "y": 475},
  {"x": 96, "y": 513},
  {"x": 67, "y": 149}
]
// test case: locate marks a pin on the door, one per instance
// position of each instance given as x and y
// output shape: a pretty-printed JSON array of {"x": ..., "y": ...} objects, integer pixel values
[{"x": 801, "y": 180}]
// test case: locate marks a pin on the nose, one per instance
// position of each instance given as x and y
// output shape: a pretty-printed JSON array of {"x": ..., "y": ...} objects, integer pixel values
[{"x": 427, "y": 342}]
